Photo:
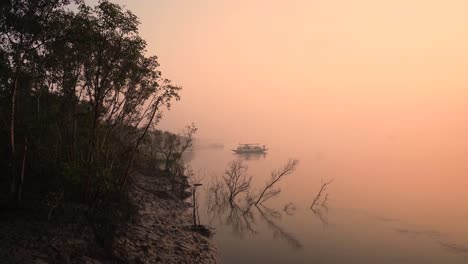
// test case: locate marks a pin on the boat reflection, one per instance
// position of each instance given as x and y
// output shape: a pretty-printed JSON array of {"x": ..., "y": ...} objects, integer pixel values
[{"x": 251, "y": 156}]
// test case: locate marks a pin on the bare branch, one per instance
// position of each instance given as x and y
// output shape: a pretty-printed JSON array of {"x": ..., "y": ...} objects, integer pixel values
[
  {"x": 319, "y": 194},
  {"x": 269, "y": 192},
  {"x": 236, "y": 179}
]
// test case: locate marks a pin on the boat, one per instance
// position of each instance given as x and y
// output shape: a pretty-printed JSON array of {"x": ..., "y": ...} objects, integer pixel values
[{"x": 250, "y": 148}]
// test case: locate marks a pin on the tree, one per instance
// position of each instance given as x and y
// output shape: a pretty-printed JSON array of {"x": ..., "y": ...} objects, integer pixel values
[
  {"x": 77, "y": 95},
  {"x": 25, "y": 27},
  {"x": 170, "y": 147}
]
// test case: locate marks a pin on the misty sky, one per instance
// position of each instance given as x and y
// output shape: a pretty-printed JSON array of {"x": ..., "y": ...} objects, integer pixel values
[{"x": 330, "y": 70}]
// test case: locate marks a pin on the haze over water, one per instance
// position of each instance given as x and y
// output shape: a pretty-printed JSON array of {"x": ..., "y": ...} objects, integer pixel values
[
  {"x": 383, "y": 207},
  {"x": 370, "y": 93},
  {"x": 349, "y": 74}
]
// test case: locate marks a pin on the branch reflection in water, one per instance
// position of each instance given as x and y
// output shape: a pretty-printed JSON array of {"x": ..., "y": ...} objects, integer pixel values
[
  {"x": 289, "y": 208},
  {"x": 243, "y": 221},
  {"x": 226, "y": 211},
  {"x": 320, "y": 205},
  {"x": 322, "y": 215},
  {"x": 241, "y": 214}
]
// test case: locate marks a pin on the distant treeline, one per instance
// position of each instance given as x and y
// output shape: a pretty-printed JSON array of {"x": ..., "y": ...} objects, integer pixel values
[{"x": 77, "y": 97}]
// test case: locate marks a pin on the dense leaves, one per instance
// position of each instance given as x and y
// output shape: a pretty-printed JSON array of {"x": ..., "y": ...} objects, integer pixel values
[{"x": 77, "y": 95}]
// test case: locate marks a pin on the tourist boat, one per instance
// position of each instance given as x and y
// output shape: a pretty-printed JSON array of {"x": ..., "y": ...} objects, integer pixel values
[{"x": 250, "y": 148}]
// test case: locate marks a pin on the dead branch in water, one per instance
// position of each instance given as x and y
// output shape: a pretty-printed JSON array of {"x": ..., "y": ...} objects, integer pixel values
[
  {"x": 319, "y": 194},
  {"x": 269, "y": 191},
  {"x": 236, "y": 179}
]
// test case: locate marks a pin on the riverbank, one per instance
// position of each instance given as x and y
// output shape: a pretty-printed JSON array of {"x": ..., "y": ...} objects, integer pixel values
[
  {"x": 162, "y": 232},
  {"x": 159, "y": 231}
]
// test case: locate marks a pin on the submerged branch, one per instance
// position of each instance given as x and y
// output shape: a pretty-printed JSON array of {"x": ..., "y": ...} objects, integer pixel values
[
  {"x": 269, "y": 191},
  {"x": 319, "y": 194},
  {"x": 236, "y": 179}
]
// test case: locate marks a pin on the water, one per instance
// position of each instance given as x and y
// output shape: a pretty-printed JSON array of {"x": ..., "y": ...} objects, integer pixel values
[{"x": 385, "y": 205}]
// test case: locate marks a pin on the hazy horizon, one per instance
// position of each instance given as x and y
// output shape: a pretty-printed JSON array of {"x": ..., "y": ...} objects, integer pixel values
[
  {"x": 359, "y": 108},
  {"x": 363, "y": 72}
]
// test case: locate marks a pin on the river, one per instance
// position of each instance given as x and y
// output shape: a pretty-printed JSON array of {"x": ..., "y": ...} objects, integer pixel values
[{"x": 385, "y": 205}]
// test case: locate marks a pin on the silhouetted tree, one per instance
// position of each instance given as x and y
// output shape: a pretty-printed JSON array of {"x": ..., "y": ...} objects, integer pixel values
[
  {"x": 170, "y": 147},
  {"x": 77, "y": 95}
]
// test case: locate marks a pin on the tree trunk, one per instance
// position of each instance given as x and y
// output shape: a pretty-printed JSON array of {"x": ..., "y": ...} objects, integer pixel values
[
  {"x": 13, "y": 112},
  {"x": 137, "y": 144},
  {"x": 91, "y": 154},
  {"x": 14, "y": 171},
  {"x": 19, "y": 189},
  {"x": 194, "y": 206}
]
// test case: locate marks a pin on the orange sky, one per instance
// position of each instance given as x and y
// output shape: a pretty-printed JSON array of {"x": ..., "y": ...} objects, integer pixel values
[{"x": 355, "y": 70}]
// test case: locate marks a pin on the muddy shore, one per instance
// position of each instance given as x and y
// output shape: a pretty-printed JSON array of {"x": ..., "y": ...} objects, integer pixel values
[{"x": 160, "y": 231}]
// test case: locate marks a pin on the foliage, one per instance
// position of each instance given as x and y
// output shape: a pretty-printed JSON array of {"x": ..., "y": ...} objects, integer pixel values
[
  {"x": 166, "y": 149},
  {"x": 77, "y": 95}
]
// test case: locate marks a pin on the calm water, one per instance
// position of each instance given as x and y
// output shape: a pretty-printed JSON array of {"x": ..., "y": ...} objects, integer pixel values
[{"x": 384, "y": 206}]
